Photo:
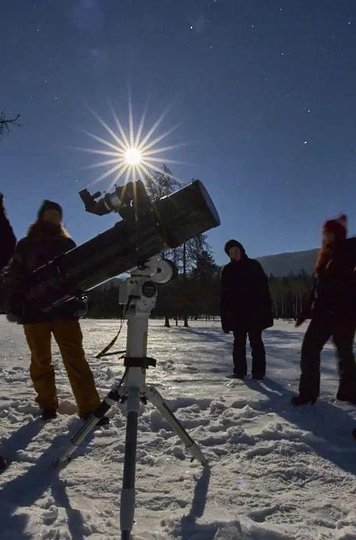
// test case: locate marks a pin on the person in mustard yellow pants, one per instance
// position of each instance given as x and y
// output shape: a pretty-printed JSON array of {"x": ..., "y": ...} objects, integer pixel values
[
  {"x": 68, "y": 336},
  {"x": 46, "y": 239}
]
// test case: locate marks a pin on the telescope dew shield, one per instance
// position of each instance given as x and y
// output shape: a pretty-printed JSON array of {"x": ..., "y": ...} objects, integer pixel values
[
  {"x": 173, "y": 220},
  {"x": 186, "y": 213}
]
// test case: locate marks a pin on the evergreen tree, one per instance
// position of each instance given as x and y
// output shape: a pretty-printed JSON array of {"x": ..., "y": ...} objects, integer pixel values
[{"x": 206, "y": 278}]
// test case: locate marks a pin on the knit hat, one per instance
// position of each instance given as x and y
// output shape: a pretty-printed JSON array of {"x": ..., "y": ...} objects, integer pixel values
[
  {"x": 337, "y": 226},
  {"x": 49, "y": 205},
  {"x": 231, "y": 243}
]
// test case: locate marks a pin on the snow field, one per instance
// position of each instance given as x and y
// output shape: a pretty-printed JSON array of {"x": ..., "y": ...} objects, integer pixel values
[{"x": 276, "y": 472}]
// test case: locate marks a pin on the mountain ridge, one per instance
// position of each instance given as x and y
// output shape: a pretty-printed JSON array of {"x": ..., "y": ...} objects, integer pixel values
[{"x": 282, "y": 264}]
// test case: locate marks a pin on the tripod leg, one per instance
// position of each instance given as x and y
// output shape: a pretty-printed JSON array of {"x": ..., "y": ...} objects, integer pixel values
[
  {"x": 127, "y": 505},
  {"x": 155, "y": 397},
  {"x": 112, "y": 397}
]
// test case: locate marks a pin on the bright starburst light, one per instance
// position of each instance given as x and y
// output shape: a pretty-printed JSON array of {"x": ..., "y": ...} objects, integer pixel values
[
  {"x": 133, "y": 156},
  {"x": 130, "y": 154}
]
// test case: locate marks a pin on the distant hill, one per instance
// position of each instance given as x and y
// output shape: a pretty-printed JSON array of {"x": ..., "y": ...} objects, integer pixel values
[
  {"x": 286, "y": 263},
  {"x": 279, "y": 265}
]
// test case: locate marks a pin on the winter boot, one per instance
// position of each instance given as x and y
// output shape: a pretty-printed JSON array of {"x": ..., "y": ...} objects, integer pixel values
[
  {"x": 237, "y": 376},
  {"x": 346, "y": 396},
  {"x": 258, "y": 376},
  {"x": 302, "y": 400},
  {"x": 48, "y": 414}
]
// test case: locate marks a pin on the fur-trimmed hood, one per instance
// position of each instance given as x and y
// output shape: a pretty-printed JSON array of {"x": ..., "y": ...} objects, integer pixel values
[{"x": 42, "y": 230}]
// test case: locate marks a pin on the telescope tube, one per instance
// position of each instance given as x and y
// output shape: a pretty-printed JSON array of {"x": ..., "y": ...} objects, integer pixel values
[{"x": 173, "y": 220}]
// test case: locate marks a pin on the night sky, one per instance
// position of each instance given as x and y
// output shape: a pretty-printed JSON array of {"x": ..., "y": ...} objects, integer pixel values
[{"x": 262, "y": 94}]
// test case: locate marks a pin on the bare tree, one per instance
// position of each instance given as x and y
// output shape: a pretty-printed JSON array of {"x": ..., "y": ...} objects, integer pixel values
[{"x": 6, "y": 123}]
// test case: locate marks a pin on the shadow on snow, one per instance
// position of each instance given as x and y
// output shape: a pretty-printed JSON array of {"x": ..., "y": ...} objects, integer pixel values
[{"x": 26, "y": 489}]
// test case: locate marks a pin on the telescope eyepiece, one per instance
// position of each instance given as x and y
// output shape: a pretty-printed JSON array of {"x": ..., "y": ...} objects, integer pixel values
[{"x": 130, "y": 201}]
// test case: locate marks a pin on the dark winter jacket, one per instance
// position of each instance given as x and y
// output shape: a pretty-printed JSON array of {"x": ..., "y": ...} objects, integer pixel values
[
  {"x": 43, "y": 243},
  {"x": 245, "y": 298},
  {"x": 7, "y": 239},
  {"x": 334, "y": 289},
  {"x": 7, "y": 246}
]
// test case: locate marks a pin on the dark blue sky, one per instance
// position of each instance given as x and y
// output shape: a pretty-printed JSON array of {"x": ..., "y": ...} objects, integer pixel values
[{"x": 264, "y": 92}]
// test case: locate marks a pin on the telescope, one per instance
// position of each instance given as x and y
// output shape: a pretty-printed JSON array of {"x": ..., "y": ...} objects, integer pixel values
[
  {"x": 147, "y": 229},
  {"x": 133, "y": 245}
]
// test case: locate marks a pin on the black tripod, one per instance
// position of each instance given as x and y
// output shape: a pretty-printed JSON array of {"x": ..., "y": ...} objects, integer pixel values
[{"x": 140, "y": 294}]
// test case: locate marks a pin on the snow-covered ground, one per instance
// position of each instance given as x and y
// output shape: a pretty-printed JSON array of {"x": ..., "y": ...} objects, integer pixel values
[{"x": 276, "y": 472}]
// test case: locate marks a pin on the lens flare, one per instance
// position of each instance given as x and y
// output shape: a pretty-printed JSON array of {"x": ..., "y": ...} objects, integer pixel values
[{"x": 131, "y": 154}]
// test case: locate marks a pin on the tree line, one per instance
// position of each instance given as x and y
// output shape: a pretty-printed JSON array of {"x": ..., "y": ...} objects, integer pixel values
[{"x": 195, "y": 293}]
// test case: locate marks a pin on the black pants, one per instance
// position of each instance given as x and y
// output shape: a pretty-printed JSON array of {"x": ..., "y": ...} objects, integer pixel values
[
  {"x": 319, "y": 331},
  {"x": 258, "y": 353}
]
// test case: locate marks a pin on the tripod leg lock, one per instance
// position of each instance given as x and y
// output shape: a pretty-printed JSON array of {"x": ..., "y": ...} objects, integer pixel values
[{"x": 144, "y": 362}]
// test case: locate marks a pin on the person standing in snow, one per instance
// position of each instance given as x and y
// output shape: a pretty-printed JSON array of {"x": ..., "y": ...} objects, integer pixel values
[
  {"x": 45, "y": 240},
  {"x": 8, "y": 239},
  {"x": 245, "y": 308},
  {"x": 332, "y": 309},
  {"x": 7, "y": 243}
]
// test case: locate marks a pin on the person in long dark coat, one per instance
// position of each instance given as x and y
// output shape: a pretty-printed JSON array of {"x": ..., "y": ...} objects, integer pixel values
[
  {"x": 8, "y": 238},
  {"x": 7, "y": 243},
  {"x": 332, "y": 310},
  {"x": 246, "y": 308}
]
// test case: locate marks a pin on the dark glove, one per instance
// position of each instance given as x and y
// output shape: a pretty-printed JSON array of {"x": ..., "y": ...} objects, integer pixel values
[
  {"x": 225, "y": 328},
  {"x": 300, "y": 319},
  {"x": 15, "y": 308},
  {"x": 79, "y": 306}
]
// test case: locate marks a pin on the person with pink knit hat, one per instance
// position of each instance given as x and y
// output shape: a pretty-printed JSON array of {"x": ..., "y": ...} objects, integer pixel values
[{"x": 332, "y": 310}]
